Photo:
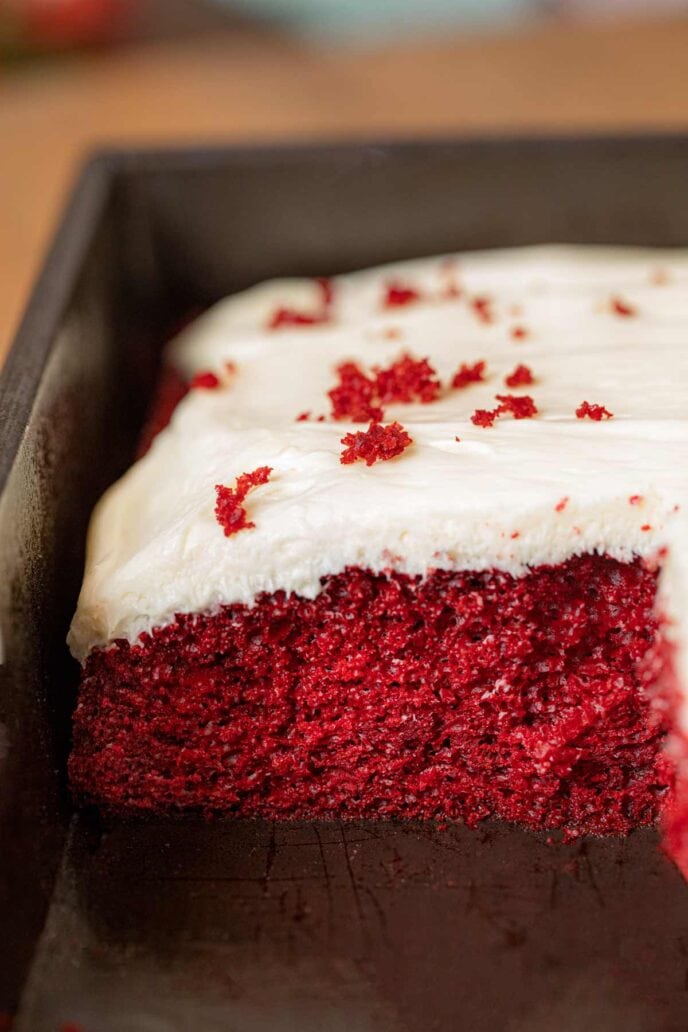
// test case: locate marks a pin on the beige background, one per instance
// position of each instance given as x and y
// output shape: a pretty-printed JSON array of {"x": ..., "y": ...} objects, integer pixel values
[{"x": 251, "y": 85}]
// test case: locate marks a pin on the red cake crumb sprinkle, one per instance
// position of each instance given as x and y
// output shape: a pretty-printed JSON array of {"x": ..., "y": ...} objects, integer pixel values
[
  {"x": 521, "y": 377},
  {"x": 561, "y": 504},
  {"x": 359, "y": 397},
  {"x": 398, "y": 294},
  {"x": 458, "y": 439},
  {"x": 622, "y": 308},
  {"x": 516, "y": 534},
  {"x": 635, "y": 499},
  {"x": 518, "y": 332},
  {"x": 467, "y": 374},
  {"x": 482, "y": 307},
  {"x": 484, "y": 417},
  {"x": 646, "y": 526},
  {"x": 206, "y": 381},
  {"x": 376, "y": 443},
  {"x": 520, "y": 407},
  {"x": 292, "y": 317},
  {"x": 229, "y": 510},
  {"x": 303, "y": 417},
  {"x": 354, "y": 396},
  {"x": 592, "y": 411},
  {"x": 406, "y": 380}
]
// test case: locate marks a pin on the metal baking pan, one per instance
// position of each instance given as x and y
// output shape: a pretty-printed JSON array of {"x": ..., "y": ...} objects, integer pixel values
[{"x": 313, "y": 927}]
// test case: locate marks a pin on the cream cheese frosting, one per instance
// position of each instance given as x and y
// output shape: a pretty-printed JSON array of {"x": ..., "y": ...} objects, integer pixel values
[{"x": 518, "y": 494}]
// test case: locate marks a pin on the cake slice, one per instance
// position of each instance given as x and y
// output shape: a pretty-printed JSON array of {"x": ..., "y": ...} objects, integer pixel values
[{"x": 409, "y": 542}]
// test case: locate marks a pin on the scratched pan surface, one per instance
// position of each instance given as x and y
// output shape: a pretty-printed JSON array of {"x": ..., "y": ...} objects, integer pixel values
[{"x": 232, "y": 925}]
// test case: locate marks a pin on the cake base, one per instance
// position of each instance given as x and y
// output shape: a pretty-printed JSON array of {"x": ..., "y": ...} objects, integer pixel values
[{"x": 457, "y": 696}]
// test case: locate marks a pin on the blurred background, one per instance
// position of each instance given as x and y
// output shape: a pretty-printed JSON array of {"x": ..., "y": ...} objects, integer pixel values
[{"x": 76, "y": 74}]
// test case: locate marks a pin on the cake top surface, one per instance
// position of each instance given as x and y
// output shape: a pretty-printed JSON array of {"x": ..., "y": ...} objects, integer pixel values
[{"x": 562, "y": 326}]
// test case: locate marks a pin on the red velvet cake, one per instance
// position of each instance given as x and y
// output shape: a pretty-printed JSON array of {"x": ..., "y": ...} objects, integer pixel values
[{"x": 408, "y": 543}]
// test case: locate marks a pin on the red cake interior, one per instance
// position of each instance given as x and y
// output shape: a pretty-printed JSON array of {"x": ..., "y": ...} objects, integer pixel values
[{"x": 461, "y": 695}]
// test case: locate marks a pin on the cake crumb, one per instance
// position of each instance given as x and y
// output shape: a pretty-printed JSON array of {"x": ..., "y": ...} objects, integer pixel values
[
  {"x": 406, "y": 380},
  {"x": 622, "y": 308},
  {"x": 482, "y": 307},
  {"x": 484, "y": 417},
  {"x": 229, "y": 510},
  {"x": 593, "y": 411},
  {"x": 354, "y": 396},
  {"x": 561, "y": 504},
  {"x": 376, "y": 443},
  {"x": 520, "y": 407},
  {"x": 467, "y": 374},
  {"x": 522, "y": 376},
  {"x": 206, "y": 381},
  {"x": 398, "y": 294}
]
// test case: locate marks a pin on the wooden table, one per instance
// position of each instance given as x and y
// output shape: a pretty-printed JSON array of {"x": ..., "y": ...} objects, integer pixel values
[{"x": 252, "y": 85}]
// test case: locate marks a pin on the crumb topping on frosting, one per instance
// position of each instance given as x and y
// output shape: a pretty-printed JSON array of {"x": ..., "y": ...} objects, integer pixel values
[
  {"x": 229, "y": 509},
  {"x": 377, "y": 443},
  {"x": 586, "y": 410}
]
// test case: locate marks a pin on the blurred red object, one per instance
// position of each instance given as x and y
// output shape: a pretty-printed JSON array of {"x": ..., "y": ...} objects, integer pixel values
[{"x": 65, "y": 23}]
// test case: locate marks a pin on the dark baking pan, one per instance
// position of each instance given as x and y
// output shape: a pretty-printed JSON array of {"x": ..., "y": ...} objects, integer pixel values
[{"x": 190, "y": 925}]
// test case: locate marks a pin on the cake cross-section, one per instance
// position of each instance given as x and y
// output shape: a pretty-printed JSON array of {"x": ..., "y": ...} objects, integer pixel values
[{"x": 408, "y": 542}]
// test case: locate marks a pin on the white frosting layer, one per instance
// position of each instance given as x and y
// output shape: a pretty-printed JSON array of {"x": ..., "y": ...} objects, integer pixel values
[{"x": 490, "y": 500}]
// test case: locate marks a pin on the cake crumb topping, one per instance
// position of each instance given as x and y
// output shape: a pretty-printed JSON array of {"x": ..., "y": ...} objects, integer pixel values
[
  {"x": 622, "y": 308},
  {"x": 482, "y": 307},
  {"x": 406, "y": 380},
  {"x": 593, "y": 411},
  {"x": 359, "y": 397},
  {"x": 561, "y": 504},
  {"x": 522, "y": 376},
  {"x": 467, "y": 374},
  {"x": 229, "y": 510},
  {"x": 398, "y": 294},
  {"x": 354, "y": 396},
  {"x": 376, "y": 443},
  {"x": 484, "y": 417},
  {"x": 519, "y": 407},
  {"x": 206, "y": 381}
]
